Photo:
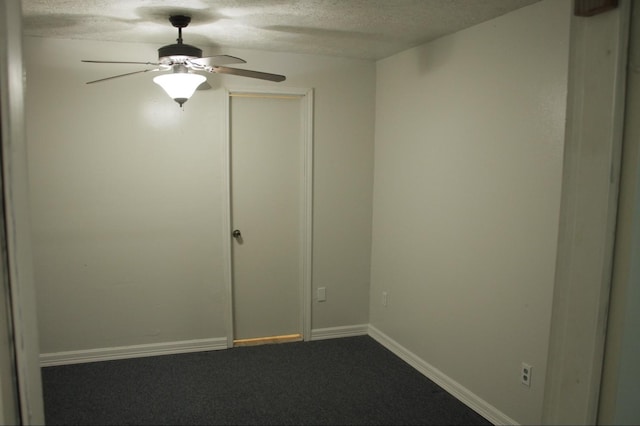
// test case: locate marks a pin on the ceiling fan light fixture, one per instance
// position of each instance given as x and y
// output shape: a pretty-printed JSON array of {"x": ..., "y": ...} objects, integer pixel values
[{"x": 180, "y": 86}]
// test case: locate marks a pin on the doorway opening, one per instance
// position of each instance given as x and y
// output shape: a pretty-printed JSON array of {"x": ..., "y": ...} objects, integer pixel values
[{"x": 268, "y": 169}]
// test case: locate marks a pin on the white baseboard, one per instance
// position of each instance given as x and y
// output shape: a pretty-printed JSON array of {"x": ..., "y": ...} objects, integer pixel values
[
  {"x": 134, "y": 351},
  {"x": 463, "y": 394},
  {"x": 335, "y": 332}
]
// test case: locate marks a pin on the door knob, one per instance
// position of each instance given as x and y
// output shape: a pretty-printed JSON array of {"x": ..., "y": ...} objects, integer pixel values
[{"x": 236, "y": 233}]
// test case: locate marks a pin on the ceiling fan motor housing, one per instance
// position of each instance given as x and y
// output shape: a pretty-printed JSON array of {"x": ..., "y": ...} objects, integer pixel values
[{"x": 180, "y": 50}]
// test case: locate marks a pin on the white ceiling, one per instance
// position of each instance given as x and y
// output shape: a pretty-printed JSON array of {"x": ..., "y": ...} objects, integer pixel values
[{"x": 367, "y": 29}]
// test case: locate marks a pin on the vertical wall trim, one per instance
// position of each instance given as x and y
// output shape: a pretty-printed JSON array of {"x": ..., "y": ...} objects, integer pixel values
[
  {"x": 226, "y": 217},
  {"x": 18, "y": 227},
  {"x": 308, "y": 215},
  {"x": 621, "y": 376},
  {"x": 591, "y": 170}
]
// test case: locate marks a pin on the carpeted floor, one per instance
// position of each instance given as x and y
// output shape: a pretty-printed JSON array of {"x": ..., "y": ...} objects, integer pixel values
[{"x": 352, "y": 380}]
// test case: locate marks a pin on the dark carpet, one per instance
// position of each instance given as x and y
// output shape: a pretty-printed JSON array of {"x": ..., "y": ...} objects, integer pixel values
[{"x": 352, "y": 380}]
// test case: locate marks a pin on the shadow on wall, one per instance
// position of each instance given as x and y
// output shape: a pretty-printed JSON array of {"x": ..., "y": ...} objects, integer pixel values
[{"x": 432, "y": 56}]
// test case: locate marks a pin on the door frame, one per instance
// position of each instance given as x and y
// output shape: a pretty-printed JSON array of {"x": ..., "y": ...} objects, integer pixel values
[
  {"x": 24, "y": 384},
  {"x": 306, "y": 209},
  {"x": 588, "y": 214}
]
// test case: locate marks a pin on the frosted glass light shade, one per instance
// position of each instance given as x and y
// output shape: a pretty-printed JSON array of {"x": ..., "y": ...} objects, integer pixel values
[{"x": 179, "y": 85}]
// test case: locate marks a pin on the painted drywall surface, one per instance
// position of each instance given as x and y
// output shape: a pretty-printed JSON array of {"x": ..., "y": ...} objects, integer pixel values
[
  {"x": 468, "y": 158},
  {"x": 127, "y": 194}
]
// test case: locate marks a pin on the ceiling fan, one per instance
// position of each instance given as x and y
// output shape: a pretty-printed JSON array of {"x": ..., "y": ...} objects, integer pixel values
[{"x": 182, "y": 60}]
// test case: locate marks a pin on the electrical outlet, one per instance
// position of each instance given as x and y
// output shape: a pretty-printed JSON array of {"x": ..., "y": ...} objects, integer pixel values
[
  {"x": 322, "y": 294},
  {"x": 384, "y": 298},
  {"x": 525, "y": 374}
]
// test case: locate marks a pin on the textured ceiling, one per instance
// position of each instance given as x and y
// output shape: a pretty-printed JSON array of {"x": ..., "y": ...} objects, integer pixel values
[{"x": 368, "y": 29}]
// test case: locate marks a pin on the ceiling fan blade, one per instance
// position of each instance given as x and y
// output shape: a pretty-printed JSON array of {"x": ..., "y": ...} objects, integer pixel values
[
  {"x": 212, "y": 61},
  {"x": 121, "y": 75},
  {"x": 249, "y": 73},
  {"x": 204, "y": 86},
  {"x": 121, "y": 62}
]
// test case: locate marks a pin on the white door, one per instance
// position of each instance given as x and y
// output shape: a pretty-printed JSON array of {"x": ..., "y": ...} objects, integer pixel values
[{"x": 267, "y": 216}]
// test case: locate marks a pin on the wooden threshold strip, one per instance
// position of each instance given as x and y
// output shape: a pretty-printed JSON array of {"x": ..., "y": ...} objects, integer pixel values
[{"x": 268, "y": 340}]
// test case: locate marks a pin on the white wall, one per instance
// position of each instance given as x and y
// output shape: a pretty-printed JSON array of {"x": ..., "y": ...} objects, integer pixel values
[
  {"x": 468, "y": 168},
  {"x": 126, "y": 193}
]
